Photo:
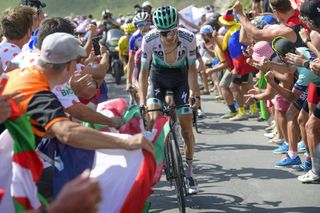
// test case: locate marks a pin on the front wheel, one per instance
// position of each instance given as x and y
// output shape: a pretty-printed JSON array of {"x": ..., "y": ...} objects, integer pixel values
[
  {"x": 117, "y": 71},
  {"x": 178, "y": 173}
]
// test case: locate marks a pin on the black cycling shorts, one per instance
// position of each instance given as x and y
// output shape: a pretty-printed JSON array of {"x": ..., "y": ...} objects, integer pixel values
[
  {"x": 241, "y": 79},
  {"x": 303, "y": 97},
  {"x": 175, "y": 80}
]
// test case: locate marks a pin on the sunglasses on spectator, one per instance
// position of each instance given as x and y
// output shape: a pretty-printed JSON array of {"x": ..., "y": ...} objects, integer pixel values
[
  {"x": 142, "y": 24},
  {"x": 168, "y": 33}
]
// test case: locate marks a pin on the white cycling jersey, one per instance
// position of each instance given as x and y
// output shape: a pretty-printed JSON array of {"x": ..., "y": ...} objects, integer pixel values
[{"x": 153, "y": 53}]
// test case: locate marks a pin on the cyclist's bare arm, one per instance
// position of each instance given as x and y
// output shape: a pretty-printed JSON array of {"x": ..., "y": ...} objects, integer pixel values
[
  {"x": 143, "y": 85},
  {"x": 193, "y": 80}
]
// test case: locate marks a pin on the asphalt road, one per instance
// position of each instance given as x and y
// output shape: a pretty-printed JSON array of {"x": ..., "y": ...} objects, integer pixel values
[{"x": 234, "y": 166}]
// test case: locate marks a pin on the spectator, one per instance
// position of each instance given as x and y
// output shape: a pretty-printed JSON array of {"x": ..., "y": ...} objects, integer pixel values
[{"x": 16, "y": 25}]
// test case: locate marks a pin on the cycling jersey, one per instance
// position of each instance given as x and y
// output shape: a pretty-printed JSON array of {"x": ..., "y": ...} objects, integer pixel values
[
  {"x": 135, "y": 42},
  {"x": 123, "y": 45},
  {"x": 152, "y": 49},
  {"x": 169, "y": 77}
]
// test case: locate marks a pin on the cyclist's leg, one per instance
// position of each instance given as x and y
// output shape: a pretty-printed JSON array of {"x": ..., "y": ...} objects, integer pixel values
[
  {"x": 156, "y": 95},
  {"x": 181, "y": 95}
]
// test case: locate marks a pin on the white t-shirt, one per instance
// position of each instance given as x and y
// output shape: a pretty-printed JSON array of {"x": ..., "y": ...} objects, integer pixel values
[
  {"x": 7, "y": 52},
  {"x": 63, "y": 91}
]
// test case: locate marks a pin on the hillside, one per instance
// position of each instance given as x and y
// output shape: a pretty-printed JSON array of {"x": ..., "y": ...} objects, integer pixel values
[{"x": 84, "y": 7}]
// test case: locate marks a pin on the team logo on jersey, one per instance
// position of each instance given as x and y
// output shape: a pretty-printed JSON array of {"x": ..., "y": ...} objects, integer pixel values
[
  {"x": 159, "y": 53},
  {"x": 192, "y": 52},
  {"x": 150, "y": 37},
  {"x": 189, "y": 37}
]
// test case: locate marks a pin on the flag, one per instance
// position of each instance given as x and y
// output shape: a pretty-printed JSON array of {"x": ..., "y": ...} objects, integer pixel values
[
  {"x": 20, "y": 167},
  {"x": 126, "y": 177}
]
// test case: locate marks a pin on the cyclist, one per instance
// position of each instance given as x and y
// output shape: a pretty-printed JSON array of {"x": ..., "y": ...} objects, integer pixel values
[
  {"x": 142, "y": 21},
  {"x": 170, "y": 53},
  {"x": 123, "y": 45}
]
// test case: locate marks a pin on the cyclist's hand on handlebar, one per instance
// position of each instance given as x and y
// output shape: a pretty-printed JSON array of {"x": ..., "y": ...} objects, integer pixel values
[
  {"x": 139, "y": 141},
  {"x": 194, "y": 103}
]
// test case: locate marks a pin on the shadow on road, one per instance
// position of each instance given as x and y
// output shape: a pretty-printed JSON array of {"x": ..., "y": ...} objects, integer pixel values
[
  {"x": 213, "y": 173},
  {"x": 219, "y": 147},
  {"x": 163, "y": 198},
  {"x": 226, "y": 128},
  {"x": 218, "y": 202}
]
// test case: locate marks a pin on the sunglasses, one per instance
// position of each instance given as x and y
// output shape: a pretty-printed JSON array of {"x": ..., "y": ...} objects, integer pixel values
[
  {"x": 168, "y": 33},
  {"x": 142, "y": 24}
]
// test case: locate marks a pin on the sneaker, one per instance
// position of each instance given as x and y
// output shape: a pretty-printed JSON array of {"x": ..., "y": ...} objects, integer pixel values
[
  {"x": 228, "y": 115},
  {"x": 201, "y": 113},
  {"x": 239, "y": 117},
  {"x": 260, "y": 119},
  {"x": 271, "y": 134},
  {"x": 309, "y": 177},
  {"x": 288, "y": 162},
  {"x": 218, "y": 98},
  {"x": 192, "y": 186},
  {"x": 301, "y": 147},
  {"x": 270, "y": 128},
  {"x": 305, "y": 166},
  {"x": 276, "y": 141},
  {"x": 282, "y": 149},
  {"x": 254, "y": 115}
]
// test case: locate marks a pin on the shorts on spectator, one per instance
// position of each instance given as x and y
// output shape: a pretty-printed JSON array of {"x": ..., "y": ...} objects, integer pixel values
[
  {"x": 226, "y": 79},
  {"x": 280, "y": 103}
]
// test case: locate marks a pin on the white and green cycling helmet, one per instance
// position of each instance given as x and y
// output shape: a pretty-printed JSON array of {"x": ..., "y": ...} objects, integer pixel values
[{"x": 165, "y": 18}]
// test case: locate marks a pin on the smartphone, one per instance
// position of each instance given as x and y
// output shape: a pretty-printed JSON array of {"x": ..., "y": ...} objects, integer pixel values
[{"x": 4, "y": 78}]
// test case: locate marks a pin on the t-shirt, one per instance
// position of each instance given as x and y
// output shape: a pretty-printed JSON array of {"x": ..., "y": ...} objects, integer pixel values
[
  {"x": 63, "y": 91},
  {"x": 38, "y": 101},
  {"x": 153, "y": 53},
  {"x": 218, "y": 52},
  {"x": 135, "y": 42},
  {"x": 306, "y": 76},
  {"x": 7, "y": 52},
  {"x": 123, "y": 45}
]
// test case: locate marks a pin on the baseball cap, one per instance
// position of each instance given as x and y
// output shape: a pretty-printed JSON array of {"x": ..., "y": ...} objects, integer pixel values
[
  {"x": 34, "y": 3},
  {"x": 282, "y": 46},
  {"x": 261, "y": 50},
  {"x": 269, "y": 19},
  {"x": 206, "y": 29},
  {"x": 59, "y": 48},
  {"x": 310, "y": 9}
]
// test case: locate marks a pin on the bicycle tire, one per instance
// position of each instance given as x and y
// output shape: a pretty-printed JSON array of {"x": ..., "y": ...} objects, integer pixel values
[
  {"x": 194, "y": 120},
  {"x": 168, "y": 162},
  {"x": 177, "y": 173}
]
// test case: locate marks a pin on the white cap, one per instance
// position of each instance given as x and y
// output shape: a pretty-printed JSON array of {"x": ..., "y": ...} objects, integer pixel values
[
  {"x": 146, "y": 4},
  {"x": 59, "y": 48}
]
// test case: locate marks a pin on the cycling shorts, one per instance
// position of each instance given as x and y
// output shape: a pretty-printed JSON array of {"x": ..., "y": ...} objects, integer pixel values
[
  {"x": 300, "y": 102},
  {"x": 175, "y": 80}
]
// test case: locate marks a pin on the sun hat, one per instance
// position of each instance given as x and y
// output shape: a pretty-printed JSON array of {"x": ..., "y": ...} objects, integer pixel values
[
  {"x": 262, "y": 50},
  {"x": 228, "y": 19}
]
